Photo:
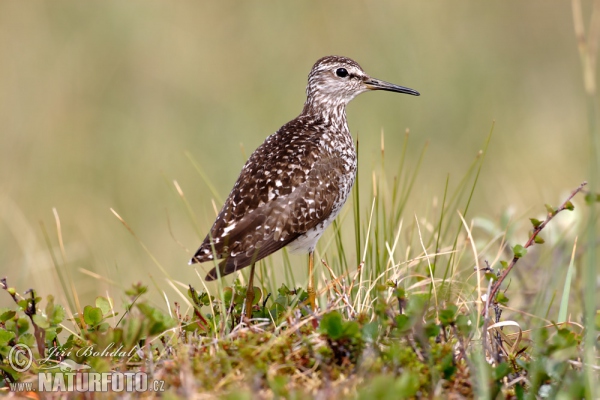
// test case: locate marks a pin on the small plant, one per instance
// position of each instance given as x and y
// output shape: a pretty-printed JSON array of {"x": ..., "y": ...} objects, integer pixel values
[{"x": 101, "y": 341}]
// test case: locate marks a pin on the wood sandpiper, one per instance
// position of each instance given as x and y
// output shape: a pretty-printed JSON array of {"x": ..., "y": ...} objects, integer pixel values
[{"x": 294, "y": 184}]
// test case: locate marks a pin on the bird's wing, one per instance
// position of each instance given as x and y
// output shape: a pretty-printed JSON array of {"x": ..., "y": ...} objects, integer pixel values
[
  {"x": 279, "y": 222},
  {"x": 279, "y": 195}
]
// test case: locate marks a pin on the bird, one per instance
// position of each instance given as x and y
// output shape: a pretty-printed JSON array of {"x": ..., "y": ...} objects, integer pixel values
[{"x": 295, "y": 183}]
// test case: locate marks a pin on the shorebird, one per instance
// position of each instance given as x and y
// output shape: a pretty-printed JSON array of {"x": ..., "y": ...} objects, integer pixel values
[{"x": 295, "y": 183}]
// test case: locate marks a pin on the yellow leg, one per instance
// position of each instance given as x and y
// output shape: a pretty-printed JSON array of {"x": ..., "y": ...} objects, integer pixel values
[
  {"x": 311, "y": 287},
  {"x": 250, "y": 293}
]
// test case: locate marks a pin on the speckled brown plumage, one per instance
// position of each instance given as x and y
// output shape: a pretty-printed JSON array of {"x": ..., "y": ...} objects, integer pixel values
[{"x": 296, "y": 182}]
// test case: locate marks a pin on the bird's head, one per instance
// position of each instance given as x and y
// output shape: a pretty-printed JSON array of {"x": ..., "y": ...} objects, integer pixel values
[{"x": 334, "y": 81}]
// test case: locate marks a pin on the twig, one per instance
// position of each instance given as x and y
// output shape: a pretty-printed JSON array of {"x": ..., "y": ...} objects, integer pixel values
[
  {"x": 531, "y": 241},
  {"x": 486, "y": 319},
  {"x": 30, "y": 310}
]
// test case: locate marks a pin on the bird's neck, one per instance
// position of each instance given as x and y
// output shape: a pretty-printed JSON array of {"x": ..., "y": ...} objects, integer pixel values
[{"x": 331, "y": 114}]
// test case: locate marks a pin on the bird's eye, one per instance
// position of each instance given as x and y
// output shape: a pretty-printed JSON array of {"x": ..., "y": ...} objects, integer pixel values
[{"x": 341, "y": 72}]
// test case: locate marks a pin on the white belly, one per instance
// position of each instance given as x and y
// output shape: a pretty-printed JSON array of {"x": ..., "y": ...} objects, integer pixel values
[{"x": 307, "y": 242}]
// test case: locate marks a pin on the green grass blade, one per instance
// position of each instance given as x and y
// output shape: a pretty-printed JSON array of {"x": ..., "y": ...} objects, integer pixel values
[{"x": 564, "y": 302}]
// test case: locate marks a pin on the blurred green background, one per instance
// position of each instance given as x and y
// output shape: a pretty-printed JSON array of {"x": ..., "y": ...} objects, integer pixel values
[{"x": 99, "y": 101}]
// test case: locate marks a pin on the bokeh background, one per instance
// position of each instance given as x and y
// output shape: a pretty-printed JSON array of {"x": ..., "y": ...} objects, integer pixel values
[{"x": 100, "y": 101}]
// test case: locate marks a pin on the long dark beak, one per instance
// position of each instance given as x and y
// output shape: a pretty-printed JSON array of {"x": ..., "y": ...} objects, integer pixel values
[{"x": 375, "y": 84}]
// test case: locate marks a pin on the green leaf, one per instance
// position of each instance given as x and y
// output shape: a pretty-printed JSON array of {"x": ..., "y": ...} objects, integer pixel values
[
  {"x": 58, "y": 315},
  {"x": 447, "y": 316},
  {"x": 504, "y": 264},
  {"x": 491, "y": 276},
  {"x": 519, "y": 251},
  {"x": 158, "y": 322},
  {"x": 277, "y": 385},
  {"x": 6, "y": 336},
  {"x": 551, "y": 210},
  {"x": 569, "y": 206},
  {"x": 276, "y": 310},
  {"x": 283, "y": 301},
  {"x": 257, "y": 295},
  {"x": 227, "y": 295},
  {"x": 535, "y": 222},
  {"x": 385, "y": 386},
  {"x": 193, "y": 295},
  {"x": 501, "y": 298},
  {"x": 40, "y": 321},
  {"x": 591, "y": 198},
  {"x": 6, "y": 314},
  {"x": 539, "y": 240},
  {"x": 284, "y": 290},
  {"x": 501, "y": 371},
  {"x": 28, "y": 339},
  {"x": 432, "y": 329},
  {"x": 407, "y": 385},
  {"x": 370, "y": 331},
  {"x": 519, "y": 391},
  {"x": 137, "y": 290},
  {"x": 448, "y": 366},
  {"x": 416, "y": 305},
  {"x": 133, "y": 332},
  {"x": 23, "y": 304},
  {"x": 103, "y": 304},
  {"x": 50, "y": 334},
  {"x": 22, "y": 325},
  {"x": 403, "y": 323},
  {"x": 464, "y": 324},
  {"x": 204, "y": 299},
  {"x": 332, "y": 325},
  {"x": 352, "y": 329},
  {"x": 400, "y": 294},
  {"x": 92, "y": 315}
]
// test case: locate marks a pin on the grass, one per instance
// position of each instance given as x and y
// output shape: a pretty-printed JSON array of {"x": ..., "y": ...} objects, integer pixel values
[
  {"x": 92, "y": 108},
  {"x": 391, "y": 323}
]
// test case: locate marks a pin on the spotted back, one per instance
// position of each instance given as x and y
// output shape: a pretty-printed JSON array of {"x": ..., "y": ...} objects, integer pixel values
[{"x": 288, "y": 186}]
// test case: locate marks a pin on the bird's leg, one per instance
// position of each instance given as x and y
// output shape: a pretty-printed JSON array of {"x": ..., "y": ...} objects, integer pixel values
[
  {"x": 250, "y": 293},
  {"x": 311, "y": 287}
]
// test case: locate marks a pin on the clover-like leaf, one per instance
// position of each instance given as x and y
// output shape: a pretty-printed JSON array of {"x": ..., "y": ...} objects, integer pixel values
[
  {"x": 92, "y": 315},
  {"x": 103, "y": 304}
]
